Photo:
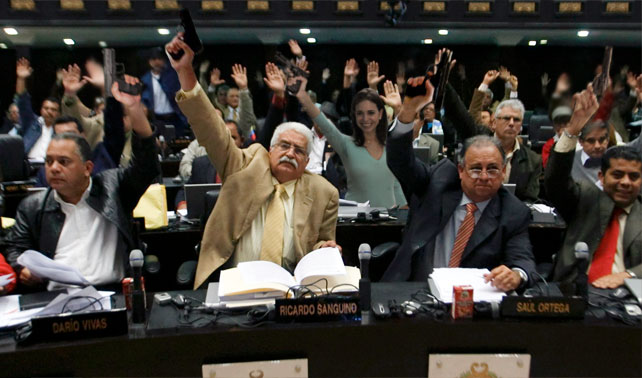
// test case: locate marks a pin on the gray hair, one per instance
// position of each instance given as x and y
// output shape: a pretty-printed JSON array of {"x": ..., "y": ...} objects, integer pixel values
[
  {"x": 294, "y": 126},
  {"x": 481, "y": 141},
  {"x": 592, "y": 126},
  {"x": 512, "y": 103}
]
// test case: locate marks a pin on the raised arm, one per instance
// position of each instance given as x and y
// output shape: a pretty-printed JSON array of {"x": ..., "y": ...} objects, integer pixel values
[{"x": 560, "y": 187}]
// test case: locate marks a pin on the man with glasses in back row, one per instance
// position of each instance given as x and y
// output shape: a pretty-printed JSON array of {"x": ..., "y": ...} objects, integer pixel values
[{"x": 460, "y": 216}]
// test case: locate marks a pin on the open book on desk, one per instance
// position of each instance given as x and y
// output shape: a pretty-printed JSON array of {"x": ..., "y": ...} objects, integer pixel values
[{"x": 264, "y": 279}]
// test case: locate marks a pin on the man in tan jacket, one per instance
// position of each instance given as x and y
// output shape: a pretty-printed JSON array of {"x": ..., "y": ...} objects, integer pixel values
[{"x": 235, "y": 230}]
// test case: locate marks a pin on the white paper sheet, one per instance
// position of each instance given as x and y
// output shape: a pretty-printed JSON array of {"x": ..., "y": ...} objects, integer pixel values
[
  {"x": 322, "y": 262},
  {"x": 445, "y": 278},
  {"x": 7, "y": 278},
  {"x": 44, "y": 267}
]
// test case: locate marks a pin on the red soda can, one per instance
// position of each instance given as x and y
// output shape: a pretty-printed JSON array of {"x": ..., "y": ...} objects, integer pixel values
[
  {"x": 128, "y": 289},
  {"x": 463, "y": 304}
]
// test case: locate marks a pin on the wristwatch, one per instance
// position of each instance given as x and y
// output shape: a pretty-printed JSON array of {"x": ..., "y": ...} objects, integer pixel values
[
  {"x": 630, "y": 272},
  {"x": 521, "y": 273},
  {"x": 568, "y": 135}
]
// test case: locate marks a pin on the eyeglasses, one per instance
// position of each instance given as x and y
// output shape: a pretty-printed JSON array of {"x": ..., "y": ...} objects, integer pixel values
[
  {"x": 476, "y": 173},
  {"x": 508, "y": 118},
  {"x": 298, "y": 151}
]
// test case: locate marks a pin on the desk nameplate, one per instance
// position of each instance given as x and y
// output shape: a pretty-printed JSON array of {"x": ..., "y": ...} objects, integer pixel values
[{"x": 78, "y": 326}]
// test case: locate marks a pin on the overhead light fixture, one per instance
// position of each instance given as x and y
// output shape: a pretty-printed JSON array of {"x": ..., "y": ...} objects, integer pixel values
[
  {"x": 543, "y": 41},
  {"x": 258, "y": 6},
  {"x": 426, "y": 41},
  {"x": 10, "y": 31},
  {"x": 119, "y": 5},
  {"x": 164, "y": 5},
  {"x": 102, "y": 44},
  {"x": 69, "y": 41},
  {"x": 304, "y": 31},
  {"x": 617, "y": 7},
  {"x": 569, "y": 7},
  {"x": 212, "y": 5},
  {"x": 312, "y": 40},
  {"x": 302, "y": 6},
  {"x": 23, "y": 5},
  {"x": 347, "y": 6},
  {"x": 583, "y": 33},
  {"x": 3, "y": 46},
  {"x": 73, "y": 5},
  {"x": 522, "y": 7},
  {"x": 163, "y": 31},
  {"x": 476, "y": 6},
  {"x": 532, "y": 43},
  {"x": 434, "y": 6},
  {"x": 442, "y": 32}
]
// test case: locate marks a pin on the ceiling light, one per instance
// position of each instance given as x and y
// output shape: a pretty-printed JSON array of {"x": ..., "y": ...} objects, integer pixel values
[
  {"x": 532, "y": 43},
  {"x": 3, "y": 46},
  {"x": 426, "y": 41},
  {"x": 312, "y": 40},
  {"x": 583, "y": 33},
  {"x": 163, "y": 31},
  {"x": 11, "y": 31},
  {"x": 102, "y": 44},
  {"x": 69, "y": 41},
  {"x": 304, "y": 31},
  {"x": 443, "y": 32},
  {"x": 543, "y": 41}
]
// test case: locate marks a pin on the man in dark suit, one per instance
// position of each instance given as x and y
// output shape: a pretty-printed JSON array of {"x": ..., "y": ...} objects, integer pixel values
[
  {"x": 609, "y": 220},
  {"x": 460, "y": 216}
]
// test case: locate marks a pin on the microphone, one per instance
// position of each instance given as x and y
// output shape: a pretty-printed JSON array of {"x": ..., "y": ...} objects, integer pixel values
[
  {"x": 136, "y": 261},
  {"x": 365, "y": 252},
  {"x": 581, "y": 265}
]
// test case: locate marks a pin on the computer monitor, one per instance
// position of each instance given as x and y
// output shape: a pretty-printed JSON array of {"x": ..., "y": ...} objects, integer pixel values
[{"x": 195, "y": 198}]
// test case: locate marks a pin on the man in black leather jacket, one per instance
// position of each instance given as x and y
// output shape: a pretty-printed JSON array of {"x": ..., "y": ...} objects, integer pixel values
[{"x": 111, "y": 195}]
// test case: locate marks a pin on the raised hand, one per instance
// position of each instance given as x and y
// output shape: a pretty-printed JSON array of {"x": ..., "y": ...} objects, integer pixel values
[
  {"x": 351, "y": 69},
  {"x": 504, "y": 73},
  {"x": 274, "y": 80},
  {"x": 325, "y": 75},
  {"x": 23, "y": 68},
  {"x": 545, "y": 79},
  {"x": 563, "y": 83},
  {"x": 215, "y": 77},
  {"x": 95, "y": 74},
  {"x": 412, "y": 105},
  {"x": 184, "y": 63},
  {"x": 631, "y": 80},
  {"x": 303, "y": 64},
  {"x": 373, "y": 75},
  {"x": 203, "y": 67},
  {"x": 585, "y": 105},
  {"x": 71, "y": 80},
  {"x": 126, "y": 99},
  {"x": 295, "y": 48},
  {"x": 490, "y": 77},
  {"x": 392, "y": 97},
  {"x": 239, "y": 74},
  {"x": 513, "y": 82}
]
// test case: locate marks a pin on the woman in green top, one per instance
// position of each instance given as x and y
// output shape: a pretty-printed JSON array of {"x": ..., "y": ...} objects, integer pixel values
[{"x": 363, "y": 154}]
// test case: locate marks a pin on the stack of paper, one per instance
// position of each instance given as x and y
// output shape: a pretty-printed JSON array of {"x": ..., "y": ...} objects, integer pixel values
[{"x": 443, "y": 280}]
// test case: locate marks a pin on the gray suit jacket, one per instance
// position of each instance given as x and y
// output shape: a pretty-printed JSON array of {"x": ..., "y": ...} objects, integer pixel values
[{"x": 587, "y": 211}]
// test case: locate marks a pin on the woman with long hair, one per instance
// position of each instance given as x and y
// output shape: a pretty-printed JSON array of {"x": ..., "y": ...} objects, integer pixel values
[{"x": 363, "y": 154}]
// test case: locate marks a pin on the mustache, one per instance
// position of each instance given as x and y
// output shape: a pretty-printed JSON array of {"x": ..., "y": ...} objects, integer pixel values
[{"x": 285, "y": 159}]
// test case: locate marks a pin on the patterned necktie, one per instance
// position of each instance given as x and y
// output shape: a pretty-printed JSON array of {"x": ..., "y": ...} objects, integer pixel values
[
  {"x": 602, "y": 263},
  {"x": 463, "y": 235},
  {"x": 272, "y": 243}
]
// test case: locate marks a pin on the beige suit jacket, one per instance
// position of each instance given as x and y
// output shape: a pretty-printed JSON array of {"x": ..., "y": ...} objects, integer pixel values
[{"x": 247, "y": 185}]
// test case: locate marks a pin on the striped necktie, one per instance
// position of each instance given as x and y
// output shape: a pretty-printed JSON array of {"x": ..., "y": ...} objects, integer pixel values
[{"x": 463, "y": 235}]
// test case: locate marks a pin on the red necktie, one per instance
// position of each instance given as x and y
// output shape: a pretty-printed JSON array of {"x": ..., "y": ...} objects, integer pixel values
[
  {"x": 604, "y": 255},
  {"x": 463, "y": 234}
]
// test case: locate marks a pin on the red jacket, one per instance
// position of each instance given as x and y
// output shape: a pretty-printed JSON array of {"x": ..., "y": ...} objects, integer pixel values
[{"x": 4, "y": 270}]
